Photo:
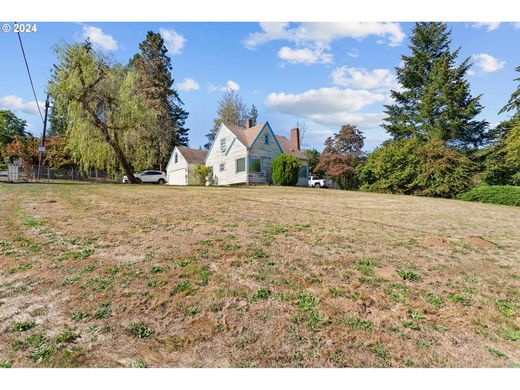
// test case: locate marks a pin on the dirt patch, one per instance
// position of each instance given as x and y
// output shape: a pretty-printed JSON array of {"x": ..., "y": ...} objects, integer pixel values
[
  {"x": 434, "y": 241},
  {"x": 385, "y": 272},
  {"x": 479, "y": 241}
]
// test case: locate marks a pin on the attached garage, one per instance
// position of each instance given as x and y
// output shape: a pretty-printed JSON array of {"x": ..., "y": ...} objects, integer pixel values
[{"x": 180, "y": 170}]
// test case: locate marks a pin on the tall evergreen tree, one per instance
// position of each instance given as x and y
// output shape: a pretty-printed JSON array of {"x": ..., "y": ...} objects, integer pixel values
[
  {"x": 154, "y": 68},
  {"x": 231, "y": 109},
  {"x": 514, "y": 101},
  {"x": 435, "y": 101}
]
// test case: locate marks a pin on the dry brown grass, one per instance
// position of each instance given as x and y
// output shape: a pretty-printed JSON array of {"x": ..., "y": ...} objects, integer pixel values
[{"x": 255, "y": 277}]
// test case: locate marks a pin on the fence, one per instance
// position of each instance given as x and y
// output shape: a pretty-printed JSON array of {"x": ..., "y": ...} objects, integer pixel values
[{"x": 46, "y": 174}]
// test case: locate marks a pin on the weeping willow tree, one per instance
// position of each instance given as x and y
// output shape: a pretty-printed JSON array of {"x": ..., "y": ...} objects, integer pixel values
[{"x": 105, "y": 117}]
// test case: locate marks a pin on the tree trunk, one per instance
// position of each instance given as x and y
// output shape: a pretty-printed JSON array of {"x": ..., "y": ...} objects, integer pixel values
[
  {"x": 120, "y": 157},
  {"x": 102, "y": 126}
]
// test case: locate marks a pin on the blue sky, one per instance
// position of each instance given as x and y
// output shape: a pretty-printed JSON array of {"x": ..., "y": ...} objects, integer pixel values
[{"x": 323, "y": 74}]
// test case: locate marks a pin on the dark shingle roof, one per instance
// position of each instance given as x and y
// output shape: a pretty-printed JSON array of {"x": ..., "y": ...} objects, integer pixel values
[
  {"x": 288, "y": 148},
  {"x": 193, "y": 156},
  {"x": 245, "y": 135}
]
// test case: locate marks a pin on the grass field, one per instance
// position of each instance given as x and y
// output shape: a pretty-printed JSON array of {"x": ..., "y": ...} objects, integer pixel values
[{"x": 151, "y": 276}]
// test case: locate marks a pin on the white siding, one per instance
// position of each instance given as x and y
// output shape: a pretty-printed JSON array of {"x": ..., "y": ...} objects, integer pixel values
[
  {"x": 176, "y": 171},
  {"x": 234, "y": 150},
  {"x": 266, "y": 153}
]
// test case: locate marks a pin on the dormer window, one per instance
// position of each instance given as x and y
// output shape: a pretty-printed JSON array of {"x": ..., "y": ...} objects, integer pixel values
[
  {"x": 223, "y": 145},
  {"x": 266, "y": 139}
]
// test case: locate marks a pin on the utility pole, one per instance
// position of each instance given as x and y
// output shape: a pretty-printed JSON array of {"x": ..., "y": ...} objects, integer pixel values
[{"x": 41, "y": 149}]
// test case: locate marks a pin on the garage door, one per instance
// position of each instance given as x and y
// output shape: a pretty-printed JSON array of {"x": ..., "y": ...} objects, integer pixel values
[{"x": 177, "y": 178}]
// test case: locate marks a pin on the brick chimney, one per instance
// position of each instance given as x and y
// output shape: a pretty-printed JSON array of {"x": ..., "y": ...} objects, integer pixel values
[
  {"x": 295, "y": 138},
  {"x": 249, "y": 123}
]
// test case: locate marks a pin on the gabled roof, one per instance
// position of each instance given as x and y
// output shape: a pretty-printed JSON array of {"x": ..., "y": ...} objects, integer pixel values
[
  {"x": 289, "y": 149},
  {"x": 193, "y": 156},
  {"x": 245, "y": 135}
]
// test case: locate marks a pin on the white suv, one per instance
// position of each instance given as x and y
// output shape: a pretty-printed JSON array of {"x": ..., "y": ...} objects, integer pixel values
[
  {"x": 148, "y": 177},
  {"x": 319, "y": 182}
]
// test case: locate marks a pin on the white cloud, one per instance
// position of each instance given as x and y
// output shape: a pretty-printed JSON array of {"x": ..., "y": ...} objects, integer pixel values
[
  {"x": 15, "y": 103},
  {"x": 173, "y": 40},
  {"x": 354, "y": 53},
  {"x": 230, "y": 86},
  {"x": 516, "y": 25},
  {"x": 362, "y": 78},
  {"x": 321, "y": 34},
  {"x": 305, "y": 56},
  {"x": 329, "y": 106},
  {"x": 99, "y": 38},
  {"x": 486, "y": 63},
  {"x": 188, "y": 84},
  {"x": 489, "y": 26}
]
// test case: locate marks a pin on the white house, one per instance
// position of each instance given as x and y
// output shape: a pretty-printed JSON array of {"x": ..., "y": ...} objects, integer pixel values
[
  {"x": 180, "y": 170},
  {"x": 244, "y": 155}
]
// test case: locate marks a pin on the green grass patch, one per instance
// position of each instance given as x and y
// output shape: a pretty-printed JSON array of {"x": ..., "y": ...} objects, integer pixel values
[
  {"x": 78, "y": 255},
  {"x": 6, "y": 364},
  {"x": 409, "y": 275},
  {"x": 139, "y": 330},
  {"x": 507, "y": 195},
  {"x": 366, "y": 266},
  {"x": 459, "y": 298},
  {"x": 498, "y": 354},
  {"x": 184, "y": 286},
  {"x": 434, "y": 300},
  {"x": 360, "y": 323},
  {"x": 23, "y": 326},
  {"x": 510, "y": 334},
  {"x": 261, "y": 293},
  {"x": 308, "y": 302},
  {"x": 506, "y": 308}
]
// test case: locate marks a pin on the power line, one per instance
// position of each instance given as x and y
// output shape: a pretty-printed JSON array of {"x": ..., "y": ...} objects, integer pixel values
[{"x": 29, "y": 73}]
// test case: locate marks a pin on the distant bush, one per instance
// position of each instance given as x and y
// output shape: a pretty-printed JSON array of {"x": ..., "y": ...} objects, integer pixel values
[
  {"x": 391, "y": 168},
  {"x": 203, "y": 174},
  {"x": 285, "y": 170},
  {"x": 415, "y": 167},
  {"x": 443, "y": 172},
  {"x": 508, "y": 195}
]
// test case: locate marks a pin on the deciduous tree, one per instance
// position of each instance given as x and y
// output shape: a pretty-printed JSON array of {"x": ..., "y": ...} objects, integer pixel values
[
  {"x": 231, "y": 109},
  {"x": 342, "y": 155},
  {"x": 106, "y": 116}
]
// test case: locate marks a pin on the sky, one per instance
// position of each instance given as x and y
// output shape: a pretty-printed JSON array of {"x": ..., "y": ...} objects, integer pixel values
[{"x": 321, "y": 74}]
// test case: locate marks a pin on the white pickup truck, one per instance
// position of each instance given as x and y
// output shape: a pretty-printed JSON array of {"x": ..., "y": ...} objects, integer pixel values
[{"x": 319, "y": 182}]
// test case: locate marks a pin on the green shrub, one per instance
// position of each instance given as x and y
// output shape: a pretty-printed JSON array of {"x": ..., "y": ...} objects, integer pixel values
[
  {"x": 285, "y": 170},
  {"x": 415, "y": 167},
  {"x": 443, "y": 172},
  {"x": 203, "y": 173},
  {"x": 391, "y": 168},
  {"x": 508, "y": 195}
]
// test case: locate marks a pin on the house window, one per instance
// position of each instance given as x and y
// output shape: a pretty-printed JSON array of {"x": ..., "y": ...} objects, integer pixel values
[
  {"x": 176, "y": 160},
  {"x": 255, "y": 165},
  {"x": 223, "y": 145},
  {"x": 222, "y": 166},
  {"x": 241, "y": 165},
  {"x": 303, "y": 172},
  {"x": 266, "y": 139}
]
